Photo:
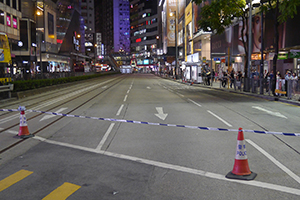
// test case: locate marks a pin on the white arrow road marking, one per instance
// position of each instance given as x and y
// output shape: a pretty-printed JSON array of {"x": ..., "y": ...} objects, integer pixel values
[
  {"x": 277, "y": 114},
  {"x": 161, "y": 114},
  {"x": 50, "y": 116}
]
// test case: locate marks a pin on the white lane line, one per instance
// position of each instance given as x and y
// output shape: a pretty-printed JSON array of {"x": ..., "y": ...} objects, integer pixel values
[
  {"x": 105, "y": 137},
  {"x": 125, "y": 98},
  {"x": 128, "y": 91},
  {"x": 222, "y": 120},
  {"x": 197, "y": 104},
  {"x": 120, "y": 109},
  {"x": 276, "y": 162},
  {"x": 258, "y": 184},
  {"x": 180, "y": 94}
]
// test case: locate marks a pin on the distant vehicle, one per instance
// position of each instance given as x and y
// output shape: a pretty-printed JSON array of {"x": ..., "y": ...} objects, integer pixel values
[
  {"x": 126, "y": 69},
  {"x": 102, "y": 67},
  {"x": 5, "y": 54}
]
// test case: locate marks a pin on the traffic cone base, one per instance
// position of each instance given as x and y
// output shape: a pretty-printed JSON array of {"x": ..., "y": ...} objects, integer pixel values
[
  {"x": 249, "y": 177},
  {"x": 24, "y": 132}
]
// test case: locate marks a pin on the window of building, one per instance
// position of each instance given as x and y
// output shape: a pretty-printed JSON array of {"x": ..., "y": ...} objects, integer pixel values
[
  {"x": 1, "y": 1},
  {"x": 8, "y": 19},
  {"x": 15, "y": 22},
  {"x": 19, "y": 5},
  {"x": 14, "y": 4},
  {"x": 2, "y": 17},
  {"x": 8, "y": 2}
]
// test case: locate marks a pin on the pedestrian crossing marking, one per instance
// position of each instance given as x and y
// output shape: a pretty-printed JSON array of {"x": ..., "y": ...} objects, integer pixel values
[
  {"x": 14, "y": 178},
  {"x": 62, "y": 192}
]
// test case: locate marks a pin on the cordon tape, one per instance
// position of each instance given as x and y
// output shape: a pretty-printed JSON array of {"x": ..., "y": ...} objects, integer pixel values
[{"x": 156, "y": 124}]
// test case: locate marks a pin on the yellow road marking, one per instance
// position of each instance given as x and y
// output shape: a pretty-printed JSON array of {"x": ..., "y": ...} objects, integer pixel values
[
  {"x": 14, "y": 178},
  {"x": 62, "y": 192}
]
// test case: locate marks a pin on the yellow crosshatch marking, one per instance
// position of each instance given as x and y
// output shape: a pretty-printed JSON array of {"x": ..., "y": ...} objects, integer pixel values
[
  {"x": 62, "y": 192},
  {"x": 14, "y": 178}
]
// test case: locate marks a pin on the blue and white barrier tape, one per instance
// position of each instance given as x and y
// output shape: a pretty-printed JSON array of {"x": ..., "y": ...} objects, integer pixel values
[{"x": 157, "y": 124}]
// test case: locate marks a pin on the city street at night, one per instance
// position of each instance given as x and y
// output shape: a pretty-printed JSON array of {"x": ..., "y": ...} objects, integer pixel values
[{"x": 140, "y": 136}]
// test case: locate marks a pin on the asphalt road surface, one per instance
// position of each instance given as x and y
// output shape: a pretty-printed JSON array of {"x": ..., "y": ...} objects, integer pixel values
[{"x": 137, "y": 136}]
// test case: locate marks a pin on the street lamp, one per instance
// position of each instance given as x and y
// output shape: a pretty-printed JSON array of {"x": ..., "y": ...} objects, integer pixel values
[
  {"x": 262, "y": 49},
  {"x": 249, "y": 44},
  {"x": 176, "y": 49},
  {"x": 41, "y": 12}
]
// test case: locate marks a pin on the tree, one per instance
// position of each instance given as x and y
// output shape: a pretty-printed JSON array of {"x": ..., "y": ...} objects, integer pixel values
[
  {"x": 217, "y": 15},
  {"x": 220, "y": 14},
  {"x": 282, "y": 10}
]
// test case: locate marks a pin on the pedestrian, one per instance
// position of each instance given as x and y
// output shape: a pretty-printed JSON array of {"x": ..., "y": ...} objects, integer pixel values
[
  {"x": 213, "y": 75},
  {"x": 288, "y": 84},
  {"x": 294, "y": 82},
  {"x": 208, "y": 76},
  {"x": 224, "y": 79},
  {"x": 239, "y": 79},
  {"x": 278, "y": 82},
  {"x": 267, "y": 81},
  {"x": 231, "y": 78},
  {"x": 216, "y": 76}
]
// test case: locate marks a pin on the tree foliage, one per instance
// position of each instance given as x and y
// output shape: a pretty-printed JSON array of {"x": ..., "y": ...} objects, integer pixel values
[
  {"x": 216, "y": 15},
  {"x": 219, "y": 14}
]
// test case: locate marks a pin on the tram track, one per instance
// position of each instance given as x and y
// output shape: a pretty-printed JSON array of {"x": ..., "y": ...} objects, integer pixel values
[{"x": 111, "y": 84}]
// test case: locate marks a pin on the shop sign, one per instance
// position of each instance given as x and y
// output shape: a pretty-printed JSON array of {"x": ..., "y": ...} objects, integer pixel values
[
  {"x": 257, "y": 56},
  {"x": 282, "y": 55},
  {"x": 223, "y": 60},
  {"x": 294, "y": 54}
]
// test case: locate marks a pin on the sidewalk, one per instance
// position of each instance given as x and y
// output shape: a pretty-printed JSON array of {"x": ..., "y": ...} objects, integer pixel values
[{"x": 269, "y": 96}]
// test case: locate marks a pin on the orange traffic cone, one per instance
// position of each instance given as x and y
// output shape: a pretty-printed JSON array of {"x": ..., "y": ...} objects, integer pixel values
[
  {"x": 241, "y": 168},
  {"x": 23, "y": 129}
]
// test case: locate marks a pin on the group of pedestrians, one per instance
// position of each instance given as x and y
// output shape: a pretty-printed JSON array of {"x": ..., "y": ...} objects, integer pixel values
[
  {"x": 207, "y": 76},
  {"x": 287, "y": 83},
  {"x": 235, "y": 78}
]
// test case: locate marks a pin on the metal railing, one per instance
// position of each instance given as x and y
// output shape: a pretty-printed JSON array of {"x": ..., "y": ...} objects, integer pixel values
[{"x": 289, "y": 89}]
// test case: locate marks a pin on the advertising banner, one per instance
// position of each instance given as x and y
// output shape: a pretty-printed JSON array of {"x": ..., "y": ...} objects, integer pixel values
[{"x": 171, "y": 21}]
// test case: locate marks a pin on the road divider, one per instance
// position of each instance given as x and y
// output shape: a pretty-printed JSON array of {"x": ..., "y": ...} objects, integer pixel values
[{"x": 156, "y": 124}]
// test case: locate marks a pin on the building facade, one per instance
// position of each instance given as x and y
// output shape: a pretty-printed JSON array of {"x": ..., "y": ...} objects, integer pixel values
[
  {"x": 88, "y": 14},
  {"x": 144, "y": 33},
  {"x": 10, "y": 18}
]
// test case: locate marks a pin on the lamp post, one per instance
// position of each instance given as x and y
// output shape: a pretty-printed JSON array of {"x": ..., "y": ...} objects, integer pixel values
[
  {"x": 176, "y": 49},
  {"x": 249, "y": 43},
  {"x": 262, "y": 50},
  {"x": 41, "y": 12}
]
